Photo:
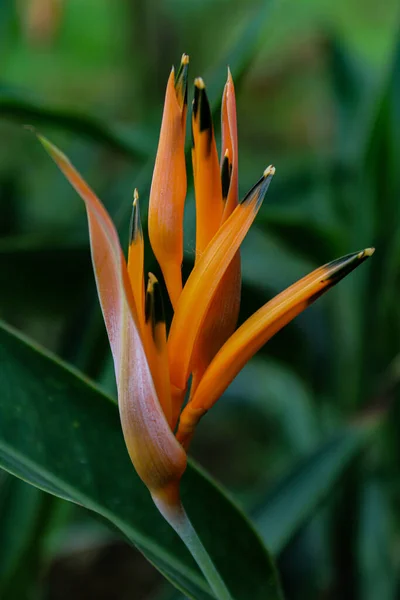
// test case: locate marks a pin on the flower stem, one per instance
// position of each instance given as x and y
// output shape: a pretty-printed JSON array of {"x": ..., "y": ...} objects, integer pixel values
[{"x": 176, "y": 516}]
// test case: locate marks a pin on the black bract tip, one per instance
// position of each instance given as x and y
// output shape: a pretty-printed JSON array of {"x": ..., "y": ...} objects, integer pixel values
[
  {"x": 201, "y": 106},
  {"x": 260, "y": 188},
  {"x": 226, "y": 171},
  {"x": 339, "y": 268}
]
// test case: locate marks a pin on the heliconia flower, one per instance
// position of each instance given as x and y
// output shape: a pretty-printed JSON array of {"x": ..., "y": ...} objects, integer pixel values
[{"x": 152, "y": 371}]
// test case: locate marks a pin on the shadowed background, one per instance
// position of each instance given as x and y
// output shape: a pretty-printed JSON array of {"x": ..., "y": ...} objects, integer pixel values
[{"x": 318, "y": 95}]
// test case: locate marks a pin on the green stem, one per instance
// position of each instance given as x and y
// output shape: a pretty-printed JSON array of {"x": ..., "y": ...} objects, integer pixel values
[{"x": 176, "y": 516}]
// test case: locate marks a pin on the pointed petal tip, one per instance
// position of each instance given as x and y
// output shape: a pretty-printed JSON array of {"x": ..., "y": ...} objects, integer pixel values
[
  {"x": 151, "y": 281},
  {"x": 199, "y": 83},
  {"x": 261, "y": 187},
  {"x": 366, "y": 253},
  {"x": 358, "y": 256},
  {"x": 49, "y": 147},
  {"x": 135, "y": 228},
  {"x": 181, "y": 82},
  {"x": 185, "y": 59},
  {"x": 201, "y": 106},
  {"x": 269, "y": 171},
  {"x": 154, "y": 307},
  {"x": 339, "y": 268}
]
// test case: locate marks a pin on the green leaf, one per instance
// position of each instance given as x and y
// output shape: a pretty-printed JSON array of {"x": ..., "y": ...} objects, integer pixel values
[
  {"x": 27, "y": 519},
  {"x": 296, "y": 497},
  {"x": 350, "y": 89},
  {"x": 60, "y": 433},
  {"x": 135, "y": 144},
  {"x": 242, "y": 51},
  {"x": 377, "y": 573},
  {"x": 19, "y": 506},
  {"x": 24, "y": 277},
  {"x": 276, "y": 391},
  {"x": 279, "y": 268}
]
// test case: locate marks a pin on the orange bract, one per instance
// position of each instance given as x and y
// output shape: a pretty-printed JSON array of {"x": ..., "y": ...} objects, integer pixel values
[
  {"x": 136, "y": 258},
  {"x": 157, "y": 456},
  {"x": 229, "y": 148},
  {"x": 203, "y": 281},
  {"x": 223, "y": 311},
  {"x": 152, "y": 372},
  {"x": 168, "y": 188},
  {"x": 256, "y": 331},
  {"x": 206, "y": 170}
]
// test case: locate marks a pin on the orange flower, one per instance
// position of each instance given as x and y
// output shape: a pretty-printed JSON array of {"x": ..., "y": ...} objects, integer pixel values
[{"x": 152, "y": 372}]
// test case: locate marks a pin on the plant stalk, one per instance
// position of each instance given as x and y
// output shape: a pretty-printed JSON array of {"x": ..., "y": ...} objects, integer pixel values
[{"x": 177, "y": 517}]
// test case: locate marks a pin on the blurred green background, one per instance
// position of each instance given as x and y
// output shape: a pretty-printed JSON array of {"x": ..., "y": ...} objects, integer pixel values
[{"x": 318, "y": 95}]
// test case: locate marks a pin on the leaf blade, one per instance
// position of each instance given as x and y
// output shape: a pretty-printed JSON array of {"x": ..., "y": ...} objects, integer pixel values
[
  {"x": 44, "y": 441},
  {"x": 295, "y": 497}
]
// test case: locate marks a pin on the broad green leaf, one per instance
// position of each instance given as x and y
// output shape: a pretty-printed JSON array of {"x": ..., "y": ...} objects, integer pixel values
[
  {"x": 7, "y": 21},
  {"x": 358, "y": 88},
  {"x": 24, "y": 277},
  {"x": 376, "y": 568},
  {"x": 58, "y": 432},
  {"x": 19, "y": 507},
  {"x": 294, "y": 500},
  {"x": 276, "y": 391},
  {"x": 279, "y": 267},
  {"x": 306, "y": 561},
  {"x": 242, "y": 52},
  {"x": 382, "y": 159},
  {"x": 350, "y": 90},
  {"x": 129, "y": 142},
  {"x": 27, "y": 521},
  {"x": 267, "y": 419}
]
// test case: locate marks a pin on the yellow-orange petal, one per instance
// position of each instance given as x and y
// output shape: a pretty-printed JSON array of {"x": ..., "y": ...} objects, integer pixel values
[
  {"x": 219, "y": 322},
  {"x": 206, "y": 170},
  {"x": 156, "y": 455},
  {"x": 168, "y": 188},
  {"x": 229, "y": 148},
  {"x": 177, "y": 399},
  {"x": 156, "y": 344},
  {"x": 257, "y": 330},
  {"x": 204, "y": 279},
  {"x": 136, "y": 259},
  {"x": 222, "y": 315}
]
